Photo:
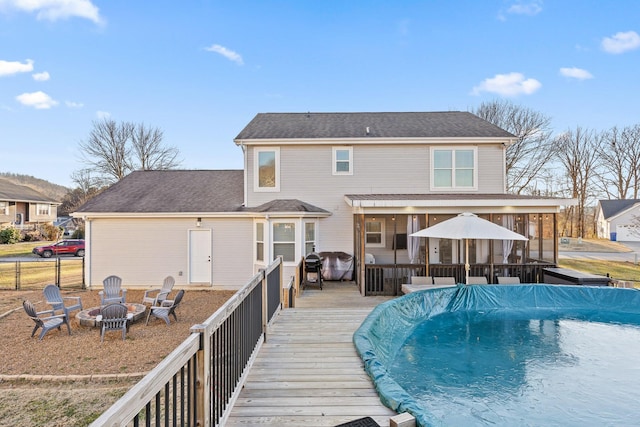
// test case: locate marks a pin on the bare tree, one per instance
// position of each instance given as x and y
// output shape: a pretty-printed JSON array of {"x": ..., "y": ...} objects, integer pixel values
[
  {"x": 112, "y": 150},
  {"x": 149, "y": 151},
  {"x": 577, "y": 153},
  {"x": 106, "y": 150},
  {"x": 619, "y": 160},
  {"x": 87, "y": 187},
  {"x": 533, "y": 149}
]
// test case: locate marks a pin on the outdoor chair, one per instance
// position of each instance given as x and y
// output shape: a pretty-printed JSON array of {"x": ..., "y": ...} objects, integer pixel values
[
  {"x": 167, "y": 308},
  {"x": 421, "y": 280},
  {"x": 46, "y": 323},
  {"x": 477, "y": 280},
  {"x": 156, "y": 296},
  {"x": 53, "y": 297},
  {"x": 114, "y": 317},
  {"x": 112, "y": 291},
  {"x": 508, "y": 280},
  {"x": 444, "y": 281}
]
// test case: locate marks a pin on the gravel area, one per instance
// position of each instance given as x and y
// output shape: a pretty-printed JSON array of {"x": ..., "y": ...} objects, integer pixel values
[{"x": 82, "y": 353}]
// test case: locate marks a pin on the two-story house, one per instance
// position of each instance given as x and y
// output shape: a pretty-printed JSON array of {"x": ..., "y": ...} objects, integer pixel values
[
  {"x": 22, "y": 206},
  {"x": 358, "y": 183}
]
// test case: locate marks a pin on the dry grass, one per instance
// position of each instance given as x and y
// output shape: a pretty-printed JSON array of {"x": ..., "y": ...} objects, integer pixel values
[{"x": 77, "y": 403}]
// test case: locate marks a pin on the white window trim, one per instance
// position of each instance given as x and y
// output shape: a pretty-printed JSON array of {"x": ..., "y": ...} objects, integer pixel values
[
  {"x": 454, "y": 187},
  {"x": 39, "y": 205},
  {"x": 335, "y": 160},
  {"x": 4, "y": 208},
  {"x": 265, "y": 242},
  {"x": 304, "y": 236},
  {"x": 296, "y": 239},
  {"x": 256, "y": 170},
  {"x": 382, "y": 243}
]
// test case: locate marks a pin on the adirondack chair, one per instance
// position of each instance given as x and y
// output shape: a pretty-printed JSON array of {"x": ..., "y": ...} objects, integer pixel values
[
  {"x": 156, "y": 296},
  {"x": 167, "y": 308},
  {"x": 46, "y": 323},
  {"x": 53, "y": 296},
  {"x": 114, "y": 317},
  {"x": 112, "y": 291}
]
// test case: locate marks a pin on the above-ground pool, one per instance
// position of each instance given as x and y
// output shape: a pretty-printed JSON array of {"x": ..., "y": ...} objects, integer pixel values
[{"x": 524, "y": 355}]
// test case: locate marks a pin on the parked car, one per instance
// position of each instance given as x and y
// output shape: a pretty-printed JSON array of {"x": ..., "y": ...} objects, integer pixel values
[{"x": 63, "y": 247}]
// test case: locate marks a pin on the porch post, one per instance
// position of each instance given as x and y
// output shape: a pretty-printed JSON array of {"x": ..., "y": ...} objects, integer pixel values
[{"x": 360, "y": 249}]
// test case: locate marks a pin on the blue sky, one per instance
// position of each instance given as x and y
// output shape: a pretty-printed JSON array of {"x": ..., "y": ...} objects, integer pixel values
[{"x": 201, "y": 70}]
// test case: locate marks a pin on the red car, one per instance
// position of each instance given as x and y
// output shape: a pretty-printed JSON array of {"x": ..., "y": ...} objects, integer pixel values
[{"x": 63, "y": 247}]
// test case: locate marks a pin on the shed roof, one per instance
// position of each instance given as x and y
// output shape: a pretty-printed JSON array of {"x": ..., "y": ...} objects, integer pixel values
[{"x": 449, "y": 124}]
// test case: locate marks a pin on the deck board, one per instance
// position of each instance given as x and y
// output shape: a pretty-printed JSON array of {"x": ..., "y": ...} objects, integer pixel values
[{"x": 307, "y": 372}]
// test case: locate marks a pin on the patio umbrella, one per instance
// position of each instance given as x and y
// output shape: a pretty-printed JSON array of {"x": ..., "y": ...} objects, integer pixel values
[{"x": 468, "y": 226}]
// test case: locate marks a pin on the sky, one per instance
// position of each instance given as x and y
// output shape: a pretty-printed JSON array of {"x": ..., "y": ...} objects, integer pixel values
[{"x": 200, "y": 70}]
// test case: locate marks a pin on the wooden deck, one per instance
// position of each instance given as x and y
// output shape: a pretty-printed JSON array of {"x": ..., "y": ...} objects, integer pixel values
[{"x": 308, "y": 372}]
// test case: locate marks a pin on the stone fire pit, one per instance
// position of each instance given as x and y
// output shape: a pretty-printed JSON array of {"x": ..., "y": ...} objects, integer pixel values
[{"x": 88, "y": 317}]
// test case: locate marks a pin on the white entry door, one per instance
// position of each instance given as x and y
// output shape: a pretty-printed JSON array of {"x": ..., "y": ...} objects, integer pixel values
[{"x": 200, "y": 256}]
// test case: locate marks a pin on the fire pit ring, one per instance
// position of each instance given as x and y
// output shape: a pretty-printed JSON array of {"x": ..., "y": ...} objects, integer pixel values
[{"x": 88, "y": 317}]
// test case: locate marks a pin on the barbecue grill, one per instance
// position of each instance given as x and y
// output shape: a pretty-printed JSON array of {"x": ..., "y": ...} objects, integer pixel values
[{"x": 313, "y": 270}]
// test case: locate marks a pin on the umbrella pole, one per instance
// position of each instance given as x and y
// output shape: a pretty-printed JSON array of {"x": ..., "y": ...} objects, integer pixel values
[{"x": 467, "y": 267}]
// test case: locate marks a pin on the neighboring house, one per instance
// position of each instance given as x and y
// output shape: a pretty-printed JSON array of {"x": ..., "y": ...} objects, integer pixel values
[
  {"x": 24, "y": 207},
  {"x": 334, "y": 182},
  {"x": 618, "y": 220}
]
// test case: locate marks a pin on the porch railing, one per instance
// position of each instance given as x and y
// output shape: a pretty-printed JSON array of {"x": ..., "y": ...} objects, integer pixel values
[
  {"x": 200, "y": 380},
  {"x": 387, "y": 279}
]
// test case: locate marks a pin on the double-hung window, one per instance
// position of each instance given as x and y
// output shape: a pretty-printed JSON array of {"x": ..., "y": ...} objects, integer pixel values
[
  {"x": 374, "y": 233},
  {"x": 309, "y": 237},
  {"x": 267, "y": 169},
  {"x": 343, "y": 160},
  {"x": 260, "y": 241},
  {"x": 284, "y": 241},
  {"x": 454, "y": 168},
  {"x": 4, "y": 208}
]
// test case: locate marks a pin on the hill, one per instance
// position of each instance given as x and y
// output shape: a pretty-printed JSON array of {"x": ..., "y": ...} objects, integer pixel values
[{"x": 45, "y": 187}]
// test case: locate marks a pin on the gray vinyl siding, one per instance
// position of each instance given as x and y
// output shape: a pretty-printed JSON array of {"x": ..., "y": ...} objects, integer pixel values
[
  {"x": 144, "y": 251},
  {"x": 306, "y": 173}
]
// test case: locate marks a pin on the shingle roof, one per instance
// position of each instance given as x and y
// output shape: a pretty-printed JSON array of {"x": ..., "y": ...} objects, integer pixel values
[
  {"x": 613, "y": 207},
  {"x": 20, "y": 193},
  {"x": 450, "y": 124},
  {"x": 287, "y": 205},
  {"x": 172, "y": 191}
]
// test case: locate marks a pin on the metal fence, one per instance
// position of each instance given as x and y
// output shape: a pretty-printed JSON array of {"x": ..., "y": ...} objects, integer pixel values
[
  {"x": 35, "y": 274},
  {"x": 200, "y": 380}
]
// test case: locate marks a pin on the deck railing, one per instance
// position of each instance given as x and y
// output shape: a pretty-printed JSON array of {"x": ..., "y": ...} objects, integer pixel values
[
  {"x": 387, "y": 279},
  {"x": 200, "y": 380}
]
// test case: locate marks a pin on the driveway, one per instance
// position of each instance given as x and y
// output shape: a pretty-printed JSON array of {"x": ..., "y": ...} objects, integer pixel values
[{"x": 632, "y": 255}]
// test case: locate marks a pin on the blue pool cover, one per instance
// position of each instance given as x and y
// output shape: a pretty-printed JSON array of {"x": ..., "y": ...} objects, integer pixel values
[{"x": 471, "y": 323}]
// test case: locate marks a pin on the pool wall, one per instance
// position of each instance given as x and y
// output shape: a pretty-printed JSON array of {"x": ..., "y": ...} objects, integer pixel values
[{"x": 388, "y": 326}]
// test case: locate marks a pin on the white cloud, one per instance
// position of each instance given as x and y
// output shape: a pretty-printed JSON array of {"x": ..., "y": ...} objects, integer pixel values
[
  {"x": 511, "y": 84},
  {"x": 38, "y": 100},
  {"x": 41, "y": 77},
  {"x": 530, "y": 9},
  {"x": 8, "y": 68},
  {"x": 53, "y": 10},
  {"x": 72, "y": 104},
  {"x": 227, "y": 53},
  {"x": 103, "y": 114},
  {"x": 576, "y": 73},
  {"x": 621, "y": 42}
]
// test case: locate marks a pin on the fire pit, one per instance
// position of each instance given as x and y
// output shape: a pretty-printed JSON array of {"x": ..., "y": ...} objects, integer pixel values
[{"x": 88, "y": 317}]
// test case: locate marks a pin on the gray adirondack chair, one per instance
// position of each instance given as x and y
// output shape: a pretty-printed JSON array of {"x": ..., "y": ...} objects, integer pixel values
[
  {"x": 53, "y": 297},
  {"x": 113, "y": 317},
  {"x": 166, "y": 309},
  {"x": 113, "y": 292},
  {"x": 53, "y": 321},
  {"x": 156, "y": 296}
]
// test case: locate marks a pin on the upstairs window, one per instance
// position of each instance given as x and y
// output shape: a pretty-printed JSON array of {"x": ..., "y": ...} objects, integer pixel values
[
  {"x": 43, "y": 209},
  {"x": 342, "y": 160},
  {"x": 454, "y": 169},
  {"x": 267, "y": 169}
]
